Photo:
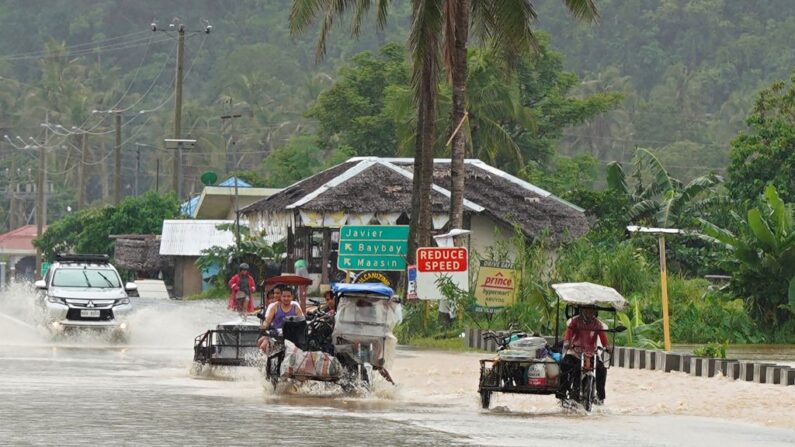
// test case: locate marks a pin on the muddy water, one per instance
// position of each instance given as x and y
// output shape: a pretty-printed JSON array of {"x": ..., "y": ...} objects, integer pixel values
[{"x": 86, "y": 390}]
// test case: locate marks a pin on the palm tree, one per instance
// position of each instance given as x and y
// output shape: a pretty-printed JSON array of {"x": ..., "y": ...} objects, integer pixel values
[
  {"x": 439, "y": 26},
  {"x": 506, "y": 25}
]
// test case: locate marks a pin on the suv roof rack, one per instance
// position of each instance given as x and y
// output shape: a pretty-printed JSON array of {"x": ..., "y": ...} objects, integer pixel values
[{"x": 88, "y": 259}]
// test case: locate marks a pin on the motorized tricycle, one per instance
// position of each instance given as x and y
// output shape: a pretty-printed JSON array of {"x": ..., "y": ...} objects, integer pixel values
[
  {"x": 532, "y": 365},
  {"x": 234, "y": 343},
  {"x": 339, "y": 349}
]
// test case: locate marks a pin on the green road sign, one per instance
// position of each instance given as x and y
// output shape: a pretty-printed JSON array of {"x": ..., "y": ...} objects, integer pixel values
[{"x": 373, "y": 247}]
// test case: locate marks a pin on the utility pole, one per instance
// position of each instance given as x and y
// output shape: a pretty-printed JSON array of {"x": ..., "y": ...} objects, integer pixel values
[
  {"x": 181, "y": 31},
  {"x": 117, "y": 160},
  {"x": 12, "y": 187},
  {"x": 157, "y": 176},
  {"x": 81, "y": 172},
  {"x": 137, "y": 167},
  {"x": 178, "y": 112},
  {"x": 41, "y": 203}
]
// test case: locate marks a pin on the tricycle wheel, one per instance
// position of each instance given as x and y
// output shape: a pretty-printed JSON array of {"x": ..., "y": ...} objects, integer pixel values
[
  {"x": 587, "y": 392},
  {"x": 485, "y": 399}
]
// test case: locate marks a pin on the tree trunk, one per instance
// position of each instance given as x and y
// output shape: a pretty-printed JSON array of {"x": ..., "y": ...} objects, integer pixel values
[
  {"x": 421, "y": 210},
  {"x": 459, "y": 78}
]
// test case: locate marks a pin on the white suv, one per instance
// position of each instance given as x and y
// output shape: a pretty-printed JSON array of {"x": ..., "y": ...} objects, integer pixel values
[{"x": 84, "y": 291}]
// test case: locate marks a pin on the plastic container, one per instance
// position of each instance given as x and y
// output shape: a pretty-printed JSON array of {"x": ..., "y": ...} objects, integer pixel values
[{"x": 534, "y": 345}]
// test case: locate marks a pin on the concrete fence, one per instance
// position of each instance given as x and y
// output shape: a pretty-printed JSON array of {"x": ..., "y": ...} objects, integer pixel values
[
  {"x": 757, "y": 372},
  {"x": 650, "y": 359}
]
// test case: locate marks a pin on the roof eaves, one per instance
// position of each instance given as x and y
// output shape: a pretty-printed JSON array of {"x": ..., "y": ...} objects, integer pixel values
[
  {"x": 347, "y": 175},
  {"x": 535, "y": 189}
]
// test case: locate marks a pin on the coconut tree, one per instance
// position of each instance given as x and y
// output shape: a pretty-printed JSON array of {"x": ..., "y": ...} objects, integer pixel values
[{"x": 505, "y": 25}]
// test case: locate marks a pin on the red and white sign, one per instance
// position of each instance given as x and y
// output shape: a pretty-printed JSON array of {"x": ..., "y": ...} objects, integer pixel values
[
  {"x": 442, "y": 259},
  {"x": 434, "y": 262}
]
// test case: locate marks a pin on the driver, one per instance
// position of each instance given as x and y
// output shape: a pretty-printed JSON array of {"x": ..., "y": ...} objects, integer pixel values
[
  {"x": 584, "y": 332},
  {"x": 277, "y": 312}
]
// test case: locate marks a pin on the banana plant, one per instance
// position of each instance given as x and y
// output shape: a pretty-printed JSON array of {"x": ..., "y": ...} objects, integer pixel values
[
  {"x": 655, "y": 195},
  {"x": 762, "y": 258}
]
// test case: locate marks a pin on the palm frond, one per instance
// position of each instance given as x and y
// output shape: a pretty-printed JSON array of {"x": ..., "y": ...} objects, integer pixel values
[{"x": 582, "y": 9}]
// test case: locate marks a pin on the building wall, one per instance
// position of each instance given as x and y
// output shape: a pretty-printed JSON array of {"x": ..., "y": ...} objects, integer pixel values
[
  {"x": 488, "y": 234},
  {"x": 187, "y": 276}
]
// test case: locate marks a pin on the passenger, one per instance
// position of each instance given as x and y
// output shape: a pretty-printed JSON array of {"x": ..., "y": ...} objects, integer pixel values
[
  {"x": 583, "y": 333},
  {"x": 330, "y": 307},
  {"x": 242, "y": 286},
  {"x": 286, "y": 307}
]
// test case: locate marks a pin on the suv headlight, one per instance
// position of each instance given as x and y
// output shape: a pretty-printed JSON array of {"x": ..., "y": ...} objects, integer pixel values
[
  {"x": 55, "y": 300},
  {"x": 122, "y": 301}
]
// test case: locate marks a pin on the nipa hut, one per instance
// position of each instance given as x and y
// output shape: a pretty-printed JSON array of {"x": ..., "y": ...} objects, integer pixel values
[{"x": 377, "y": 191}]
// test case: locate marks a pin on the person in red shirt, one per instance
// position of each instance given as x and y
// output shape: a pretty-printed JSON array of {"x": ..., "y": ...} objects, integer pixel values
[
  {"x": 243, "y": 287},
  {"x": 584, "y": 333}
]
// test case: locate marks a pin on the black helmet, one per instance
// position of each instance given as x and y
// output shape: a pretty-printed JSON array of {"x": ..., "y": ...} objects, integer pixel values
[{"x": 244, "y": 266}]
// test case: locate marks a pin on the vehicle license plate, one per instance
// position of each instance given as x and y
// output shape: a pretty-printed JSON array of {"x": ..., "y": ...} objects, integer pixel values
[{"x": 89, "y": 313}]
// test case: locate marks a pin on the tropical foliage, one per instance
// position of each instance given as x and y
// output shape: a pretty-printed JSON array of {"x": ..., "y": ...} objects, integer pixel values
[
  {"x": 762, "y": 259},
  {"x": 87, "y": 231}
]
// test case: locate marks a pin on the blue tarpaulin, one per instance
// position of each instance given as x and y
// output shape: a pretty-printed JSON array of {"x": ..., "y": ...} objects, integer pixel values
[{"x": 373, "y": 288}]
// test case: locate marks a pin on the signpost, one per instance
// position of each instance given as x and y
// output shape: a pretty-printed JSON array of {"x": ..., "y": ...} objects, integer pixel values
[
  {"x": 435, "y": 262},
  {"x": 496, "y": 286},
  {"x": 373, "y": 247}
]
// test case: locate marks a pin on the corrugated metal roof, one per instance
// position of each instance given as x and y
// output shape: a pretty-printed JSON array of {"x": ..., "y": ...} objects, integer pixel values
[{"x": 190, "y": 237}]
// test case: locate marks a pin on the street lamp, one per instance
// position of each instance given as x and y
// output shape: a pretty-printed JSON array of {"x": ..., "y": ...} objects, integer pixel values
[{"x": 661, "y": 232}]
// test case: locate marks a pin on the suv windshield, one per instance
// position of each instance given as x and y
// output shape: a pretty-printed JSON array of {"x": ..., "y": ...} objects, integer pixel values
[{"x": 100, "y": 279}]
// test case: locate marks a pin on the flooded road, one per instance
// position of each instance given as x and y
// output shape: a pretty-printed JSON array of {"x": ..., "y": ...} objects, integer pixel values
[{"x": 86, "y": 390}]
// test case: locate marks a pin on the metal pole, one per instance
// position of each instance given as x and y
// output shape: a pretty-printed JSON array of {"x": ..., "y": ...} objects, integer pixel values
[
  {"x": 178, "y": 114},
  {"x": 237, "y": 218},
  {"x": 117, "y": 161},
  {"x": 157, "y": 176},
  {"x": 664, "y": 290}
]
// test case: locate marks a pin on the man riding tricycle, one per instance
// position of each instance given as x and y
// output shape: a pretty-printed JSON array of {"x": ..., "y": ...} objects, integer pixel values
[{"x": 575, "y": 371}]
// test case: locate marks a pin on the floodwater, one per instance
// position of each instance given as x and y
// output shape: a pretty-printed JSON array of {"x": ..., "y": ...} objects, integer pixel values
[{"x": 86, "y": 390}]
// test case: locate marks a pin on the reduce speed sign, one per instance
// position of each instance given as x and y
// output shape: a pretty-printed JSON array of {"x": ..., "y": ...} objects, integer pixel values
[{"x": 434, "y": 262}]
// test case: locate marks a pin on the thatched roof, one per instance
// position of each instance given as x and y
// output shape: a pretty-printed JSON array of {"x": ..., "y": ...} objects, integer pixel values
[
  {"x": 376, "y": 189},
  {"x": 373, "y": 185},
  {"x": 294, "y": 192},
  {"x": 139, "y": 253},
  {"x": 510, "y": 200}
]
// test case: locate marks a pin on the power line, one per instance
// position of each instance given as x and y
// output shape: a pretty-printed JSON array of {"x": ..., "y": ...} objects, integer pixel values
[{"x": 78, "y": 45}]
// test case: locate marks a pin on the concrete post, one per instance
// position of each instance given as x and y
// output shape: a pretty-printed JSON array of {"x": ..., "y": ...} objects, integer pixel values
[
  {"x": 746, "y": 371},
  {"x": 774, "y": 373},
  {"x": 696, "y": 366},
  {"x": 2, "y": 274},
  {"x": 651, "y": 359},
  {"x": 686, "y": 363},
  {"x": 622, "y": 357},
  {"x": 760, "y": 372},
  {"x": 672, "y": 362},
  {"x": 640, "y": 359},
  {"x": 729, "y": 368},
  {"x": 711, "y": 367},
  {"x": 789, "y": 375}
]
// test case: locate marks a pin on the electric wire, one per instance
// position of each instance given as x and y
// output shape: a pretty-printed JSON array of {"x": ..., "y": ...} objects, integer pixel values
[{"x": 78, "y": 45}]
